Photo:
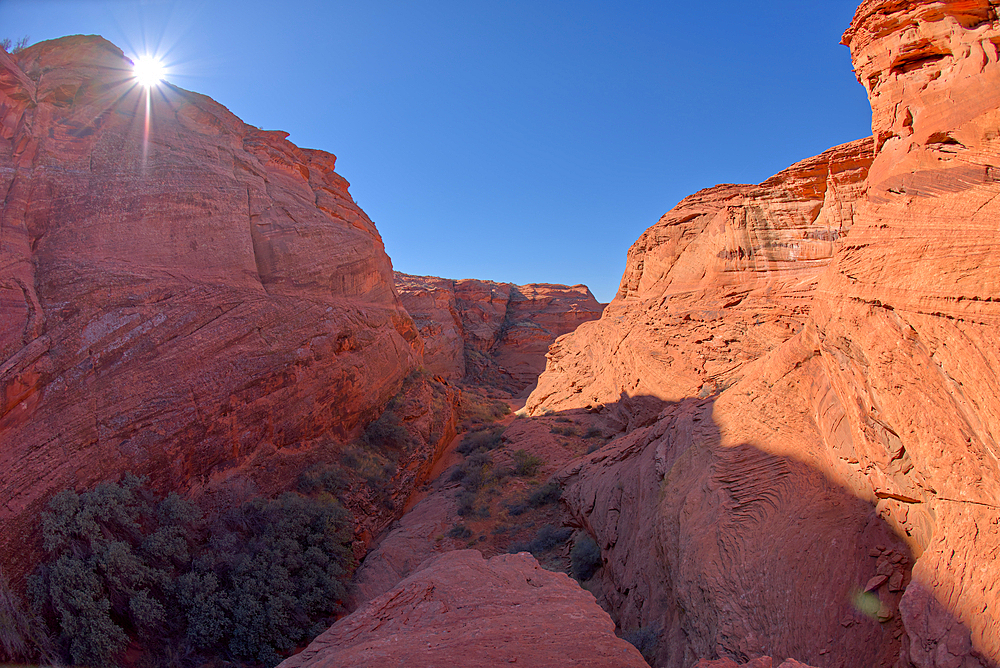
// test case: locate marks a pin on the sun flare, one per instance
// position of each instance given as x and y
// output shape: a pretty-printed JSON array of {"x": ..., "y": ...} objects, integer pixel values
[{"x": 148, "y": 71}]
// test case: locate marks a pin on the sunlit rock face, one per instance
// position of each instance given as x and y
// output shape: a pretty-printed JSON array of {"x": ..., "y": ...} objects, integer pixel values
[
  {"x": 907, "y": 315},
  {"x": 724, "y": 277},
  {"x": 788, "y": 448},
  {"x": 181, "y": 295},
  {"x": 459, "y": 609},
  {"x": 493, "y": 333}
]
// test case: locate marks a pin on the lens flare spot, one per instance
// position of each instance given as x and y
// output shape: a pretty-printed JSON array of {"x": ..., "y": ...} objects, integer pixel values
[{"x": 148, "y": 71}]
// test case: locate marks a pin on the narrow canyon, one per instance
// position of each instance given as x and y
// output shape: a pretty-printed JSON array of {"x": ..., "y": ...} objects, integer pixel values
[{"x": 232, "y": 435}]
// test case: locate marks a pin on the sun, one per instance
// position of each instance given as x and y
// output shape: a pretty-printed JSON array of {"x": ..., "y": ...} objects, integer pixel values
[{"x": 148, "y": 71}]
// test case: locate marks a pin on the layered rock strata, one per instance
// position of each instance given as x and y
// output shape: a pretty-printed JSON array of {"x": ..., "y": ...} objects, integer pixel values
[
  {"x": 721, "y": 279},
  {"x": 495, "y": 333},
  {"x": 833, "y": 493},
  {"x": 460, "y": 609},
  {"x": 181, "y": 295}
]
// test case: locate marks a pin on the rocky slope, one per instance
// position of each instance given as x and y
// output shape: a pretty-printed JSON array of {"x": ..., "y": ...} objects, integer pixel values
[
  {"x": 493, "y": 333},
  {"x": 806, "y": 426},
  {"x": 460, "y": 609},
  {"x": 181, "y": 295}
]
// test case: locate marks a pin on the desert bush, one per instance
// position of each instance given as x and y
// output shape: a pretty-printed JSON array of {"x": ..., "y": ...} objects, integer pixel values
[
  {"x": 481, "y": 441},
  {"x": 322, "y": 478},
  {"x": 527, "y": 464},
  {"x": 548, "y": 537},
  {"x": 282, "y": 564},
  {"x": 540, "y": 496},
  {"x": 584, "y": 558},
  {"x": 23, "y": 635},
  {"x": 562, "y": 431},
  {"x": 548, "y": 493},
  {"x": 122, "y": 563},
  {"x": 459, "y": 531},
  {"x": 21, "y": 44},
  {"x": 387, "y": 435},
  {"x": 646, "y": 640},
  {"x": 593, "y": 432},
  {"x": 477, "y": 409}
]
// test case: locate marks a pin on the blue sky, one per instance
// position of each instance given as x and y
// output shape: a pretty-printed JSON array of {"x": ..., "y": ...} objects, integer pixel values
[{"x": 522, "y": 141}]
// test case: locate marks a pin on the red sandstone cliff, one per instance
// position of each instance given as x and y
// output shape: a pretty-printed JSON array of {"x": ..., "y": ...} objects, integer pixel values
[
  {"x": 805, "y": 426},
  {"x": 498, "y": 333},
  {"x": 181, "y": 295}
]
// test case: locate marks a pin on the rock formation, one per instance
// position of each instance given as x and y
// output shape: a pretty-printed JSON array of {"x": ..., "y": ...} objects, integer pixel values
[
  {"x": 810, "y": 383},
  {"x": 460, "y": 609},
  {"x": 495, "y": 333},
  {"x": 721, "y": 279},
  {"x": 181, "y": 295}
]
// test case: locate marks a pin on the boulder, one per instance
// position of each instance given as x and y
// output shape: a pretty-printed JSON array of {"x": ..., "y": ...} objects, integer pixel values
[{"x": 460, "y": 609}]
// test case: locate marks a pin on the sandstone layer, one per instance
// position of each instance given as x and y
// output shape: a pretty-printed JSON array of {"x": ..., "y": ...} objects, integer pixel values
[
  {"x": 181, "y": 295},
  {"x": 721, "y": 279},
  {"x": 459, "y": 609},
  {"x": 811, "y": 470},
  {"x": 492, "y": 333}
]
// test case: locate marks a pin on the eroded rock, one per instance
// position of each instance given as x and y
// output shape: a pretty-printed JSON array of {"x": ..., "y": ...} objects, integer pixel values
[
  {"x": 861, "y": 400},
  {"x": 492, "y": 333},
  {"x": 460, "y": 609},
  {"x": 181, "y": 295}
]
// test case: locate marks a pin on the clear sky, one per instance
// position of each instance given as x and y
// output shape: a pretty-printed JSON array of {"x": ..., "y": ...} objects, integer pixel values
[{"x": 522, "y": 141}]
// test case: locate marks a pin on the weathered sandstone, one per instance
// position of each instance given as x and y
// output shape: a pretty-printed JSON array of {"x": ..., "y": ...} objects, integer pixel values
[
  {"x": 721, "y": 279},
  {"x": 494, "y": 333},
  {"x": 181, "y": 295},
  {"x": 459, "y": 609},
  {"x": 846, "y": 435}
]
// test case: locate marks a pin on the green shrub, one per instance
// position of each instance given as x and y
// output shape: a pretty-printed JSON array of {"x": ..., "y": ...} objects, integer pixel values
[
  {"x": 548, "y": 493},
  {"x": 459, "y": 531},
  {"x": 584, "y": 558},
  {"x": 252, "y": 583},
  {"x": 481, "y": 441},
  {"x": 478, "y": 409},
  {"x": 527, "y": 464},
  {"x": 322, "y": 478},
  {"x": 548, "y": 537},
  {"x": 387, "y": 435},
  {"x": 23, "y": 635}
]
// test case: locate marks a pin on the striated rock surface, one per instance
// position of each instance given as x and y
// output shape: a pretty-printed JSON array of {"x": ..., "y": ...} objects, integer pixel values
[
  {"x": 460, "y": 609},
  {"x": 495, "y": 333},
  {"x": 907, "y": 315},
  {"x": 721, "y": 279},
  {"x": 181, "y": 295},
  {"x": 811, "y": 470}
]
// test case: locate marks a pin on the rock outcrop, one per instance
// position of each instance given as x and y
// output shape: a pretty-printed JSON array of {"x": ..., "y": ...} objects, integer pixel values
[
  {"x": 181, "y": 295},
  {"x": 495, "y": 333},
  {"x": 723, "y": 278},
  {"x": 460, "y": 609},
  {"x": 811, "y": 460}
]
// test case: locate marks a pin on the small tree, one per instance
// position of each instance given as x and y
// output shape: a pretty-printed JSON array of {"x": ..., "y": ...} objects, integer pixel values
[{"x": 21, "y": 44}]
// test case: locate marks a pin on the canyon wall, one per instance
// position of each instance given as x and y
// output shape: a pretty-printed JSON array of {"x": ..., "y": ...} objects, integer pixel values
[
  {"x": 810, "y": 462},
  {"x": 182, "y": 295},
  {"x": 492, "y": 333}
]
